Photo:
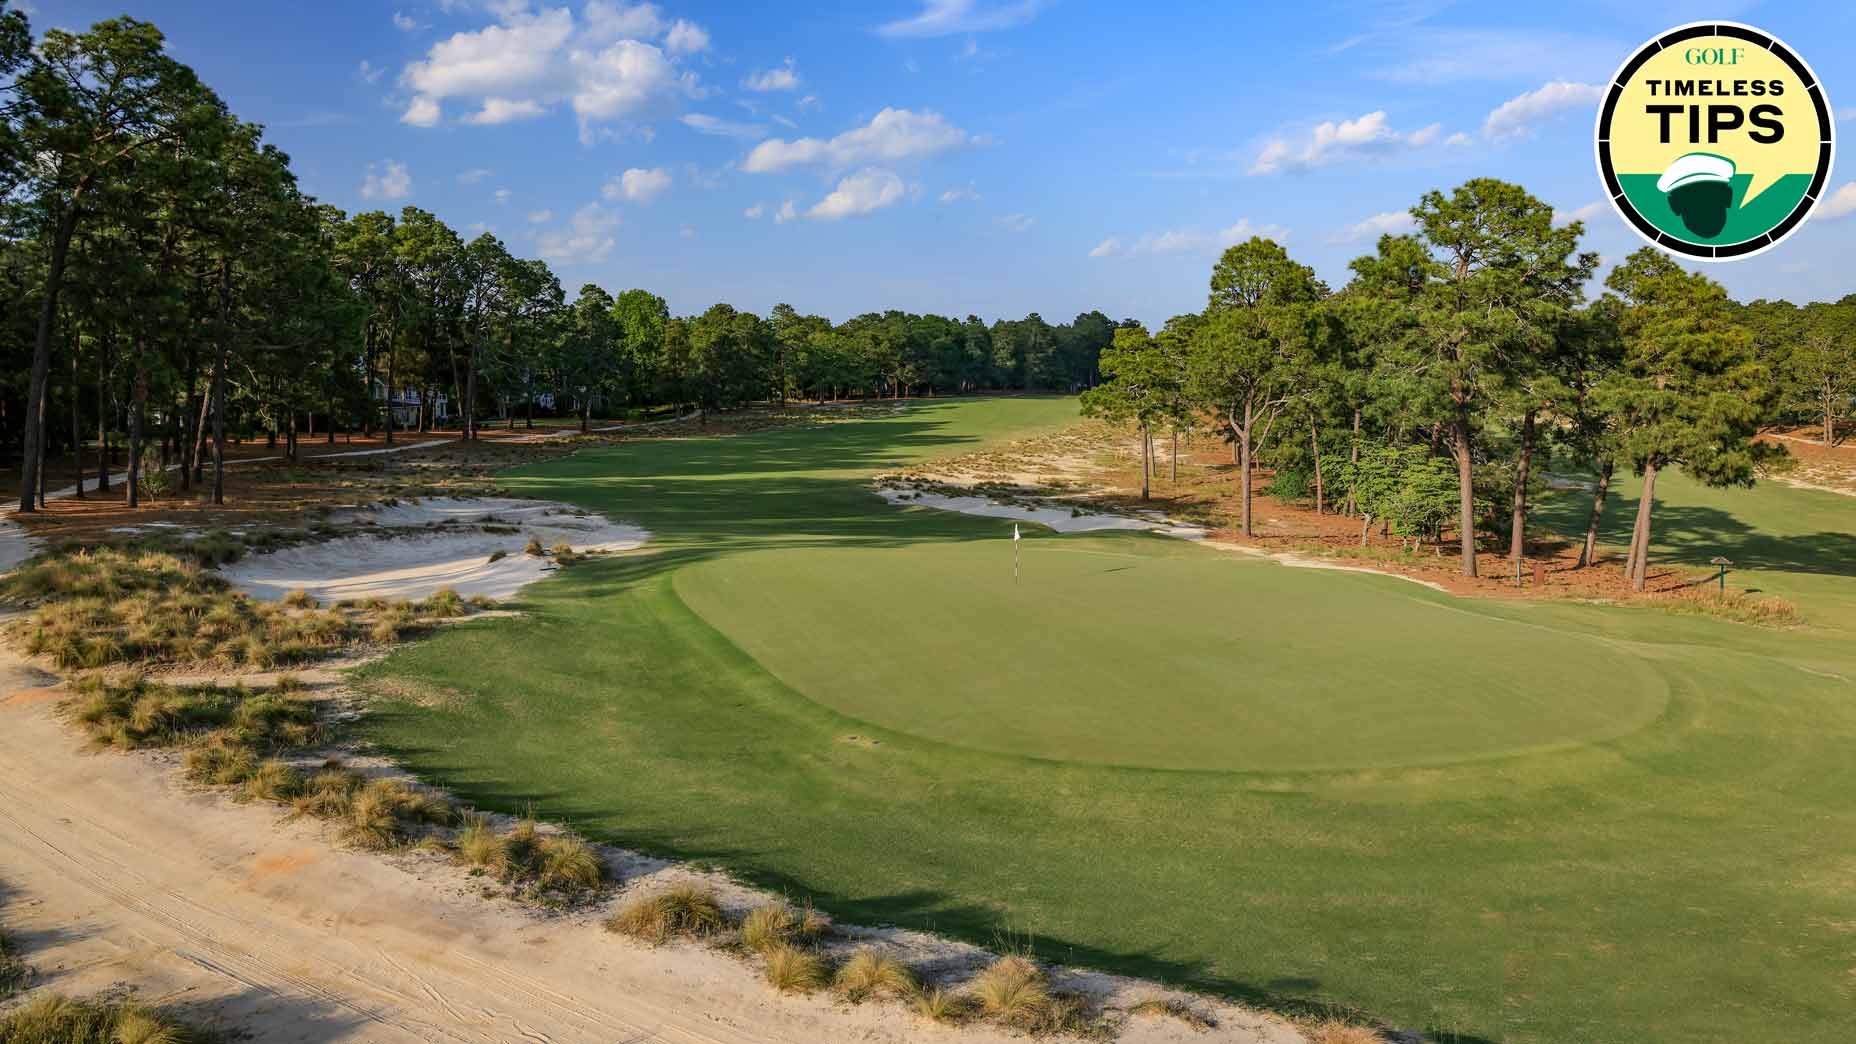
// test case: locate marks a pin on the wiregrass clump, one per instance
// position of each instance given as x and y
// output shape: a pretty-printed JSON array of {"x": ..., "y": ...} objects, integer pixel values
[
  {"x": 15, "y": 973},
  {"x": 870, "y": 973},
  {"x": 1014, "y": 991},
  {"x": 95, "y": 607},
  {"x": 539, "y": 866},
  {"x": 773, "y": 923},
  {"x": 792, "y": 969},
  {"x": 55, "y": 1019},
  {"x": 682, "y": 911},
  {"x": 1337, "y": 1031},
  {"x": 1161, "y": 1007}
]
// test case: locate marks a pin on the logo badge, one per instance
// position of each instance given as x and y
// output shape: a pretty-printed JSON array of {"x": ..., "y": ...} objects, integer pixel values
[{"x": 1715, "y": 141}]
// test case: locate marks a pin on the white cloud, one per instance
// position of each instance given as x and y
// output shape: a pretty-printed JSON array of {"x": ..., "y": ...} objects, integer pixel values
[
  {"x": 587, "y": 238},
  {"x": 1188, "y": 240},
  {"x": 504, "y": 110},
  {"x": 638, "y": 185},
  {"x": 474, "y": 175},
  {"x": 541, "y": 217},
  {"x": 871, "y": 188},
  {"x": 1015, "y": 222},
  {"x": 687, "y": 231},
  {"x": 531, "y": 61},
  {"x": 1392, "y": 222},
  {"x": 787, "y": 212},
  {"x": 1458, "y": 139},
  {"x": 502, "y": 196},
  {"x": 393, "y": 182},
  {"x": 810, "y": 101},
  {"x": 960, "y": 194},
  {"x": 423, "y": 112},
  {"x": 1331, "y": 142},
  {"x": 607, "y": 21},
  {"x": 1842, "y": 203},
  {"x": 369, "y": 72},
  {"x": 754, "y": 212},
  {"x": 946, "y": 17},
  {"x": 1584, "y": 213},
  {"x": 702, "y": 123},
  {"x": 784, "y": 121},
  {"x": 686, "y": 38},
  {"x": 779, "y": 78},
  {"x": 890, "y": 136},
  {"x": 404, "y": 23},
  {"x": 1515, "y": 117}
]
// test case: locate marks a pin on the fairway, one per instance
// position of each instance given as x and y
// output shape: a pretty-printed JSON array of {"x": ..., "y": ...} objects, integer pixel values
[
  {"x": 1164, "y": 668},
  {"x": 1502, "y": 821}
]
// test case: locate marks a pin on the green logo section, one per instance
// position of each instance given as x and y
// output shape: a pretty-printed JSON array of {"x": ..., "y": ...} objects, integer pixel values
[{"x": 1739, "y": 220}]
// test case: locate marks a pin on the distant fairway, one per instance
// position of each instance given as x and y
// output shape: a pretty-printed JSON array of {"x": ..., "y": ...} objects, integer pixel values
[
  {"x": 1123, "y": 650},
  {"x": 1522, "y": 822}
]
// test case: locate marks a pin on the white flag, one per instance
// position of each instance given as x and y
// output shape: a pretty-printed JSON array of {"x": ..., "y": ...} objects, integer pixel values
[{"x": 1014, "y": 532}]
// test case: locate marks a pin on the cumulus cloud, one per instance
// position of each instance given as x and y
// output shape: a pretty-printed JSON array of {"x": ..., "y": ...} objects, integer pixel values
[
  {"x": 946, "y": 17},
  {"x": 787, "y": 212},
  {"x": 587, "y": 238},
  {"x": 389, "y": 181},
  {"x": 1370, "y": 135},
  {"x": 368, "y": 72},
  {"x": 779, "y": 78},
  {"x": 871, "y": 188},
  {"x": 1842, "y": 203},
  {"x": 502, "y": 196},
  {"x": 1584, "y": 213},
  {"x": 404, "y": 23},
  {"x": 702, "y": 123},
  {"x": 1516, "y": 117},
  {"x": 686, "y": 38},
  {"x": 891, "y": 136},
  {"x": 1392, "y": 222},
  {"x": 607, "y": 66},
  {"x": 638, "y": 185},
  {"x": 1188, "y": 240},
  {"x": 504, "y": 110}
]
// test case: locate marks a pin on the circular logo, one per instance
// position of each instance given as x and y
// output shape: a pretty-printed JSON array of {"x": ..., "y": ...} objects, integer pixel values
[{"x": 1715, "y": 141}]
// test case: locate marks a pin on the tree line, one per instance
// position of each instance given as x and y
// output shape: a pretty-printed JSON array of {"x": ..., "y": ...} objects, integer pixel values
[
  {"x": 168, "y": 284},
  {"x": 1426, "y": 392}
]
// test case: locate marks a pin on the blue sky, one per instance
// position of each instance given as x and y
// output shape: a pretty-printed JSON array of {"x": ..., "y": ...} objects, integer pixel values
[{"x": 987, "y": 156}]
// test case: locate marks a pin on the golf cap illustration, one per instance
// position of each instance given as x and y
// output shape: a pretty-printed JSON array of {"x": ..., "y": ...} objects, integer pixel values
[{"x": 1700, "y": 187}]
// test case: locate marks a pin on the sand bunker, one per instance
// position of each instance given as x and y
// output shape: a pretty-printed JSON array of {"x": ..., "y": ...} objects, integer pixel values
[
  {"x": 1061, "y": 519},
  {"x": 411, "y": 549}
]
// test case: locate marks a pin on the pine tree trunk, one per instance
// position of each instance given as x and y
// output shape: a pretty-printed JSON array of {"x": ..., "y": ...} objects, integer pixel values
[
  {"x": 103, "y": 415},
  {"x": 1243, "y": 466},
  {"x": 219, "y": 381},
  {"x": 32, "y": 460},
  {"x": 1642, "y": 576},
  {"x": 1466, "y": 493},
  {"x": 1145, "y": 445},
  {"x": 77, "y": 433},
  {"x": 1353, "y": 457},
  {"x": 1636, "y": 536},
  {"x": 1588, "y": 554},
  {"x": 1314, "y": 444},
  {"x": 138, "y": 405},
  {"x": 1174, "y": 479},
  {"x": 1517, "y": 540}
]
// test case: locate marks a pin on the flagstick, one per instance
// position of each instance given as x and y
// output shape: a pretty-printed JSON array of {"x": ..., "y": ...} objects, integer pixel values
[{"x": 1014, "y": 552}]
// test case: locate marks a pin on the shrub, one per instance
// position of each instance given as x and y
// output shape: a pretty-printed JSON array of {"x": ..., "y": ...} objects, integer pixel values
[
  {"x": 480, "y": 845},
  {"x": 569, "y": 863},
  {"x": 793, "y": 970},
  {"x": 1012, "y": 990},
  {"x": 15, "y": 973},
  {"x": 1335, "y": 1031},
  {"x": 1176, "y": 1009},
  {"x": 299, "y": 599},
  {"x": 775, "y": 922},
  {"x": 872, "y": 974},
  {"x": 533, "y": 548},
  {"x": 498, "y": 555},
  {"x": 681, "y": 911},
  {"x": 272, "y": 780},
  {"x": 444, "y": 602},
  {"x": 55, "y": 1019}
]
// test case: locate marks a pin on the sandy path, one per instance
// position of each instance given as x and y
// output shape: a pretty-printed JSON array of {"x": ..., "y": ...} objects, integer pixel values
[{"x": 115, "y": 873}]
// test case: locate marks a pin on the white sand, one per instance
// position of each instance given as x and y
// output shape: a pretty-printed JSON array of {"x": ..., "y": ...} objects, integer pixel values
[
  {"x": 119, "y": 874},
  {"x": 410, "y": 550},
  {"x": 1062, "y": 521},
  {"x": 16, "y": 545}
]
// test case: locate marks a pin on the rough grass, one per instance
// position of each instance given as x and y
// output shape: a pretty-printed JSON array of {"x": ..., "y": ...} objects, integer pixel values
[
  {"x": 52, "y": 1018},
  {"x": 94, "y": 607},
  {"x": 775, "y": 922},
  {"x": 1162, "y": 1007},
  {"x": 1335, "y": 1031},
  {"x": 681, "y": 911},
  {"x": 15, "y": 973},
  {"x": 793, "y": 969},
  {"x": 871, "y": 973}
]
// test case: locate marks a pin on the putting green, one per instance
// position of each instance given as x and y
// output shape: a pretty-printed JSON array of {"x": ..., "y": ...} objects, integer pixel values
[{"x": 1172, "y": 664}]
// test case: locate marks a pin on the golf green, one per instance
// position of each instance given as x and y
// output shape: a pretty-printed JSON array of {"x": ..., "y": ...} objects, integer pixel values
[
  {"x": 1118, "y": 650},
  {"x": 1488, "y": 820}
]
